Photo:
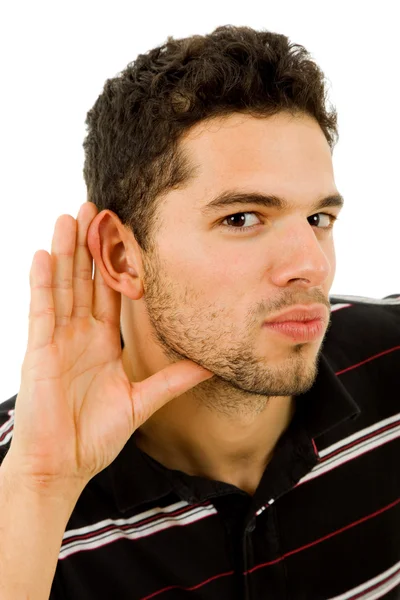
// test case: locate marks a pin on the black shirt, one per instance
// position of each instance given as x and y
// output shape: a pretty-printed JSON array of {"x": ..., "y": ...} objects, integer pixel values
[{"x": 324, "y": 522}]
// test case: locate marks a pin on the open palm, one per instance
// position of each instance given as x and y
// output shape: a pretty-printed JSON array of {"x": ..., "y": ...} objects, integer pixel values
[{"x": 76, "y": 407}]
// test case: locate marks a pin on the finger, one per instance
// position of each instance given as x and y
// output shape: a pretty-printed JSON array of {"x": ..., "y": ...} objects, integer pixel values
[
  {"x": 62, "y": 255},
  {"x": 83, "y": 264},
  {"x": 41, "y": 308}
]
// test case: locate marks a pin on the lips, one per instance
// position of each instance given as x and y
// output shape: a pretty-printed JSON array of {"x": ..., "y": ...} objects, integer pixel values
[
  {"x": 307, "y": 331},
  {"x": 300, "y": 313}
]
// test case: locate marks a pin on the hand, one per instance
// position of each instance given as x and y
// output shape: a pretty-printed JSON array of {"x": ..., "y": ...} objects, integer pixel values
[{"x": 76, "y": 407}]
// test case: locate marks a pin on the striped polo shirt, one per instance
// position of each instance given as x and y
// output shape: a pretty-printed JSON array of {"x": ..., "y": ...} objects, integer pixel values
[{"x": 323, "y": 524}]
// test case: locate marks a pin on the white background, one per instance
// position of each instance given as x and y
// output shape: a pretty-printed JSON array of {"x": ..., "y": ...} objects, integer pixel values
[{"x": 55, "y": 58}]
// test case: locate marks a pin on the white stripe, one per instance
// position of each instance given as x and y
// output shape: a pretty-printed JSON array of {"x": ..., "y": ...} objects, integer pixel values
[
  {"x": 365, "y": 299},
  {"x": 337, "y": 306},
  {"x": 359, "y": 434},
  {"x": 352, "y": 453},
  {"x": 134, "y": 533},
  {"x": 119, "y": 522},
  {"x": 378, "y": 592},
  {"x": 7, "y": 437},
  {"x": 8, "y": 424},
  {"x": 146, "y": 529},
  {"x": 349, "y": 454},
  {"x": 197, "y": 513}
]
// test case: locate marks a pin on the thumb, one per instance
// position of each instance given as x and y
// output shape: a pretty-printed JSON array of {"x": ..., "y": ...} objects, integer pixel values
[{"x": 152, "y": 393}]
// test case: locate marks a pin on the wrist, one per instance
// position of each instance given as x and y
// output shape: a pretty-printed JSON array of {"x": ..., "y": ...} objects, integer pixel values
[{"x": 64, "y": 493}]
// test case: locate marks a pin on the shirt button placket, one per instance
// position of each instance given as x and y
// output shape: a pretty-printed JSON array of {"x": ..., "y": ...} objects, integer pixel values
[{"x": 246, "y": 540}]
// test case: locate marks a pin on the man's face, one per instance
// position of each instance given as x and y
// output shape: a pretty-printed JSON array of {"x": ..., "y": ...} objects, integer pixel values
[{"x": 209, "y": 288}]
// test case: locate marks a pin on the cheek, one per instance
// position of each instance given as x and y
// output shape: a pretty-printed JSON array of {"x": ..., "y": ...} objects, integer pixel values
[
  {"x": 211, "y": 272},
  {"x": 332, "y": 261}
]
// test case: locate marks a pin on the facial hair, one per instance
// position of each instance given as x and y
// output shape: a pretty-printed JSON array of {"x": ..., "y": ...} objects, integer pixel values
[{"x": 186, "y": 326}]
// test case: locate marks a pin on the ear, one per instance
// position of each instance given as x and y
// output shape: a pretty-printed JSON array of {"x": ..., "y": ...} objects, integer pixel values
[{"x": 115, "y": 254}]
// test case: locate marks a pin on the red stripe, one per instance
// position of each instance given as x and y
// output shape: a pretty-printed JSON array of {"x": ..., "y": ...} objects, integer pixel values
[
  {"x": 188, "y": 589},
  {"x": 360, "y": 440},
  {"x": 174, "y": 587},
  {"x": 3, "y": 436},
  {"x": 71, "y": 551},
  {"x": 326, "y": 537},
  {"x": 374, "y": 587},
  {"x": 315, "y": 449},
  {"x": 113, "y": 526},
  {"x": 328, "y": 456},
  {"x": 368, "y": 359}
]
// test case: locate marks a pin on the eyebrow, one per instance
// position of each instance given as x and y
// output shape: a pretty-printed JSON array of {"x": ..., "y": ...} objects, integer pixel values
[{"x": 231, "y": 197}]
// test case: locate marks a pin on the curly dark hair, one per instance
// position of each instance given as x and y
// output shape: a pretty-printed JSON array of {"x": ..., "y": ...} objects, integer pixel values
[{"x": 132, "y": 156}]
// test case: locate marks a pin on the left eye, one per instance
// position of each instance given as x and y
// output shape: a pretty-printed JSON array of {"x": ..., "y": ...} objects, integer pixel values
[{"x": 242, "y": 228}]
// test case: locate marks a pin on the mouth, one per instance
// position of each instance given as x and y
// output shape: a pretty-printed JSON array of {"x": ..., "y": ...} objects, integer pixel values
[{"x": 301, "y": 331}]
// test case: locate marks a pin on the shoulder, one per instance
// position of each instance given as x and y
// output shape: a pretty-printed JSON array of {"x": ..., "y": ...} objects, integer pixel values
[
  {"x": 359, "y": 324},
  {"x": 362, "y": 346},
  {"x": 355, "y": 309}
]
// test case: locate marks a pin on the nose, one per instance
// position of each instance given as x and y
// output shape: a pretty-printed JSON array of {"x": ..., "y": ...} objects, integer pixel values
[{"x": 301, "y": 251}]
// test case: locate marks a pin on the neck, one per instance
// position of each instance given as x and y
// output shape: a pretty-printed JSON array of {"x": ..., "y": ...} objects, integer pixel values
[{"x": 230, "y": 444}]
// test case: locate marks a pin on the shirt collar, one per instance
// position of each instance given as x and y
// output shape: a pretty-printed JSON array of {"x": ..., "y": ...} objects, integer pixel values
[
  {"x": 327, "y": 404},
  {"x": 136, "y": 478}
]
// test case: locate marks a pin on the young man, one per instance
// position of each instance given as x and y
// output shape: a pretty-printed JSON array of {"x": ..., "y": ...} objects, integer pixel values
[{"x": 241, "y": 442}]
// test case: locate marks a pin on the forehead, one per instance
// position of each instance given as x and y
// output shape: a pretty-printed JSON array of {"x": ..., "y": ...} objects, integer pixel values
[{"x": 282, "y": 151}]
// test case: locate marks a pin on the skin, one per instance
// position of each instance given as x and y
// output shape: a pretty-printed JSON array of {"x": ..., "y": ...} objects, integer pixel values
[{"x": 206, "y": 291}]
